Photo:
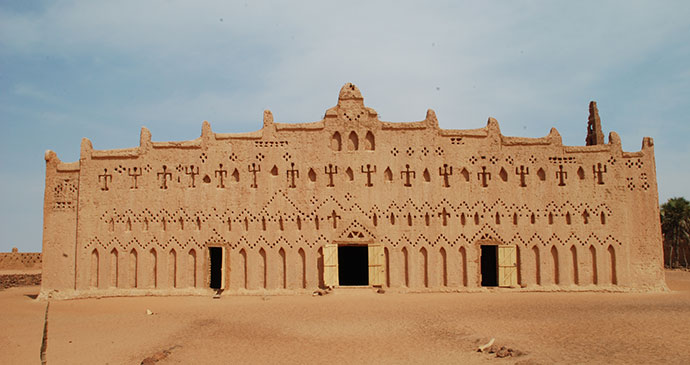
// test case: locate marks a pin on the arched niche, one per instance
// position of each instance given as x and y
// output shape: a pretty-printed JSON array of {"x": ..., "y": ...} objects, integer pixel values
[
  {"x": 369, "y": 142},
  {"x": 352, "y": 142},
  {"x": 336, "y": 142}
]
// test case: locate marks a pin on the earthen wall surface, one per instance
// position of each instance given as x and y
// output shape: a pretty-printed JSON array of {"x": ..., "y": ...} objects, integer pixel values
[
  {"x": 140, "y": 220},
  {"x": 20, "y": 260}
]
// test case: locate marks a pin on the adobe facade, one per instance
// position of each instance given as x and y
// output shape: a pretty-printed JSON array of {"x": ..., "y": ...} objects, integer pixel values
[{"x": 352, "y": 200}]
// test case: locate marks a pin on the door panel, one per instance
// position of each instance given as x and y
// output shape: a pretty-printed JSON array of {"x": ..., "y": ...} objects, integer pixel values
[
  {"x": 330, "y": 265},
  {"x": 376, "y": 268},
  {"x": 507, "y": 266}
]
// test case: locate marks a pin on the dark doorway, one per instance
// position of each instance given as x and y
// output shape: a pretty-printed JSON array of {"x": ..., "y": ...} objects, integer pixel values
[
  {"x": 216, "y": 258},
  {"x": 489, "y": 265},
  {"x": 353, "y": 265}
]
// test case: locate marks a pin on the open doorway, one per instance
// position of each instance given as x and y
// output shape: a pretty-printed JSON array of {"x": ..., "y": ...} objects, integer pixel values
[
  {"x": 489, "y": 265},
  {"x": 353, "y": 265},
  {"x": 216, "y": 267}
]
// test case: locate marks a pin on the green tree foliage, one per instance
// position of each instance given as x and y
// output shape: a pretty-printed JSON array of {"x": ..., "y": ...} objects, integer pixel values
[{"x": 675, "y": 226}]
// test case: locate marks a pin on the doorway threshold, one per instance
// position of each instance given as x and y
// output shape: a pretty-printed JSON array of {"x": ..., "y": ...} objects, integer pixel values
[
  {"x": 355, "y": 287},
  {"x": 355, "y": 290}
]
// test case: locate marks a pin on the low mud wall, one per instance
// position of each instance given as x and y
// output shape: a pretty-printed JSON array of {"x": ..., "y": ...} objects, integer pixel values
[{"x": 20, "y": 260}]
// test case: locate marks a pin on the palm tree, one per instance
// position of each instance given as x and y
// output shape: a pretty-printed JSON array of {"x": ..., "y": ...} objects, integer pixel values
[{"x": 675, "y": 226}]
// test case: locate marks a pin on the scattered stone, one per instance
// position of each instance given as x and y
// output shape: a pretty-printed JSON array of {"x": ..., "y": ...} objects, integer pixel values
[
  {"x": 381, "y": 291},
  {"x": 500, "y": 351},
  {"x": 149, "y": 312},
  {"x": 321, "y": 292},
  {"x": 158, "y": 356},
  {"x": 504, "y": 352}
]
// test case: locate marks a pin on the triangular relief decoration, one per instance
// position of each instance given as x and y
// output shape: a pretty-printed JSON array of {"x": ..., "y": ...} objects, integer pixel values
[{"x": 356, "y": 231}]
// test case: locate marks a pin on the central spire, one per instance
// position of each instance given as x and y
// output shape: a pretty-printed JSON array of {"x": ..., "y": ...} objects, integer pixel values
[{"x": 350, "y": 92}]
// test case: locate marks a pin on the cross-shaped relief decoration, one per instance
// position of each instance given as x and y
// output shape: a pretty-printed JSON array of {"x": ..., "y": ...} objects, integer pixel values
[
  {"x": 105, "y": 177},
  {"x": 407, "y": 174}
]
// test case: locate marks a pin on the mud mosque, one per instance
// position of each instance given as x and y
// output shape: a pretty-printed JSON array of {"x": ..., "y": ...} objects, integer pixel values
[{"x": 351, "y": 200}]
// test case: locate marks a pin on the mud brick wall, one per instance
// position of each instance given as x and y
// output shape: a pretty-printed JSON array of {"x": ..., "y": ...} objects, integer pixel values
[{"x": 424, "y": 200}]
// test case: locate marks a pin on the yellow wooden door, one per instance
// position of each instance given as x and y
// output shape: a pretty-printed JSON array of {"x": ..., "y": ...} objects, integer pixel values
[
  {"x": 376, "y": 268},
  {"x": 507, "y": 266},
  {"x": 330, "y": 265}
]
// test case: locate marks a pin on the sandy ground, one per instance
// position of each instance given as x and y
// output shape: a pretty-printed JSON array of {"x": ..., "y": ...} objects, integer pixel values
[{"x": 353, "y": 326}]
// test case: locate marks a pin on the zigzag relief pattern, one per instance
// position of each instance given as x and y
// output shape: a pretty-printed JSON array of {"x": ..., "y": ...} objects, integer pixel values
[
  {"x": 499, "y": 206},
  {"x": 253, "y": 241},
  {"x": 140, "y": 244},
  {"x": 317, "y": 222},
  {"x": 157, "y": 217},
  {"x": 487, "y": 233},
  {"x": 320, "y": 209},
  {"x": 247, "y": 241}
]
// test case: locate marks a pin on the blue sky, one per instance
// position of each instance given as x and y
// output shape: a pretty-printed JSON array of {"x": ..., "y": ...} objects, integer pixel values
[{"x": 71, "y": 69}]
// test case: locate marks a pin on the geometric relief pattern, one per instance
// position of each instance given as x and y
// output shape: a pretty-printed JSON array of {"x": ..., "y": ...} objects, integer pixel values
[
  {"x": 416, "y": 240},
  {"x": 65, "y": 195},
  {"x": 139, "y": 244},
  {"x": 486, "y": 233},
  {"x": 461, "y": 223},
  {"x": 321, "y": 209},
  {"x": 157, "y": 217}
]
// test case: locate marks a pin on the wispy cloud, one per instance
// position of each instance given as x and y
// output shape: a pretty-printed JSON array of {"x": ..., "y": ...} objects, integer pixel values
[{"x": 70, "y": 69}]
